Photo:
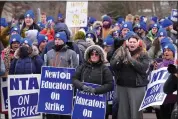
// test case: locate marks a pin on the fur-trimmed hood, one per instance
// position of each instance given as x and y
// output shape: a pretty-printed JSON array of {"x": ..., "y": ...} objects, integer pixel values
[
  {"x": 97, "y": 23},
  {"x": 35, "y": 52},
  {"x": 98, "y": 49}
]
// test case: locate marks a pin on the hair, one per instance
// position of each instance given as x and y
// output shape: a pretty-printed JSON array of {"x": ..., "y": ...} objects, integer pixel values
[
  {"x": 43, "y": 13},
  {"x": 156, "y": 43}
]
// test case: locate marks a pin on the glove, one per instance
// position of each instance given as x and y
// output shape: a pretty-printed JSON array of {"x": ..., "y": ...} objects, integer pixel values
[
  {"x": 85, "y": 88},
  {"x": 172, "y": 69},
  {"x": 92, "y": 90}
]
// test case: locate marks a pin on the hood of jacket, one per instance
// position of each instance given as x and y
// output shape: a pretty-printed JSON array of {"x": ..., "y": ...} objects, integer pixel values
[
  {"x": 98, "y": 49},
  {"x": 62, "y": 27}
]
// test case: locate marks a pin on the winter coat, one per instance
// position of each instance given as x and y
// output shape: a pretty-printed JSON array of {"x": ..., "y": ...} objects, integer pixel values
[
  {"x": 4, "y": 36},
  {"x": 2, "y": 67},
  {"x": 173, "y": 36},
  {"x": 71, "y": 45},
  {"x": 1, "y": 47},
  {"x": 149, "y": 40},
  {"x": 82, "y": 45},
  {"x": 7, "y": 55},
  {"x": 94, "y": 73},
  {"x": 32, "y": 27},
  {"x": 63, "y": 58},
  {"x": 133, "y": 73},
  {"x": 49, "y": 33},
  {"x": 171, "y": 84},
  {"x": 29, "y": 65}
]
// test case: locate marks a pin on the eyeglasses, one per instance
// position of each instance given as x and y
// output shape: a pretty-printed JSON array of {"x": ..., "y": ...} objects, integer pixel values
[{"x": 94, "y": 54}]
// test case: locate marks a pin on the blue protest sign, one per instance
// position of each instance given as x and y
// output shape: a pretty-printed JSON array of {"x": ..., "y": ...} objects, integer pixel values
[
  {"x": 4, "y": 94},
  {"x": 89, "y": 106},
  {"x": 154, "y": 94},
  {"x": 23, "y": 93},
  {"x": 56, "y": 91}
]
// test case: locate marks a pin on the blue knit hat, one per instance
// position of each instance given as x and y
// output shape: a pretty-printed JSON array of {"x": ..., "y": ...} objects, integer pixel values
[
  {"x": 90, "y": 35},
  {"x": 16, "y": 29},
  {"x": 108, "y": 41},
  {"x": 50, "y": 19},
  {"x": 61, "y": 35},
  {"x": 143, "y": 26},
  {"x": 27, "y": 41},
  {"x": 142, "y": 18},
  {"x": 127, "y": 25},
  {"x": 120, "y": 20},
  {"x": 30, "y": 14},
  {"x": 15, "y": 38},
  {"x": 91, "y": 20},
  {"x": 154, "y": 18},
  {"x": 166, "y": 23},
  {"x": 60, "y": 15},
  {"x": 162, "y": 32},
  {"x": 164, "y": 42},
  {"x": 107, "y": 18},
  {"x": 41, "y": 38},
  {"x": 3, "y": 22},
  {"x": 170, "y": 46},
  {"x": 155, "y": 26},
  {"x": 129, "y": 35},
  {"x": 41, "y": 25}
]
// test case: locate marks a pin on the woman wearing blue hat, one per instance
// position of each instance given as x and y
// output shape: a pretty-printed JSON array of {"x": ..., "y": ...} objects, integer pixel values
[
  {"x": 29, "y": 23},
  {"x": 27, "y": 60}
]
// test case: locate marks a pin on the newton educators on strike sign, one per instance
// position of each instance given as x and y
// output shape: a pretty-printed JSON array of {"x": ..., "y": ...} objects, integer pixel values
[{"x": 56, "y": 91}]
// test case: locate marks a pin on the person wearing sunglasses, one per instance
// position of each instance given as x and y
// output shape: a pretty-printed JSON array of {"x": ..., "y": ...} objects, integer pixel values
[{"x": 93, "y": 71}]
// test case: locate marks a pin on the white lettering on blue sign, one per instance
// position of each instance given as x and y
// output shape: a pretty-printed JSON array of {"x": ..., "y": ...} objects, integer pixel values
[
  {"x": 54, "y": 106},
  {"x": 87, "y": 113},
  {"x": 61, "y": 75}
]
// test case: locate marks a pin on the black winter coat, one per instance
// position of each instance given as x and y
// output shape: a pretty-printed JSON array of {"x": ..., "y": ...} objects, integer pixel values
[{"x": 96, "y": 74}]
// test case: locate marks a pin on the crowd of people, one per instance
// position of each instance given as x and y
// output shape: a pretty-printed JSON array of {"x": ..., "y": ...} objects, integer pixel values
[{"x": 127, "y": 48}]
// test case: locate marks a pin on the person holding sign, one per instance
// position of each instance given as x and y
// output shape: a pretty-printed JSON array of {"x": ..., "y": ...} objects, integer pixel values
[
  {"x": 168, "y": 58},
  {"x": 130, "y": 63},
  {"x": 93, "y": 71},
  {"x": 61, "y": 56}
]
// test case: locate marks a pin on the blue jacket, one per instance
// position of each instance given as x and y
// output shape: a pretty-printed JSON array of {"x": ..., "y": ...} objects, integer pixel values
[{"x": 27, "y": 65}]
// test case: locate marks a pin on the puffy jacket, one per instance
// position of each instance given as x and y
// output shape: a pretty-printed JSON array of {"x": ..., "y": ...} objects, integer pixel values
[
  {"x": 94, "y": 73},
  {"x": 133, "y": 73},
  {"x": 28, "y": 65}
]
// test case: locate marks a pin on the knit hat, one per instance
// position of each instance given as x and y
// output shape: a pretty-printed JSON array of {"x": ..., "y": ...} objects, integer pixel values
[
  {"x": 41, "y": 25},
  {"x": 80, "y": 35},
  {"x": 50, "y": 19},
  {"x": 155, "y": 26},
  {"x": 91, "y": 20},
  {"x": 90, "y": 35},
  {"x": 41, "y": 38},
  {"x": 143, "y": 26},
  {"x": 127, "y": 25},
  {"x": 15, "y": 38},
  {"x": 142, "y": 18},
  {"x": 27, "y": 41},
  {"x": 30, "y": 14},
  {"x": 120, "y": 20},
  {"x": 154, "y": 18},
  {"x": 16, "y": 29},
  {"x": 162, "y": 32},
  {"x": 108, "y": 41},
  {"x": 164, "y": 42},
  {"x": 170, "y": 46},
  {"x": 129, "y": 35},
  {"x": 61, "y": 35},
  {"x": 3, "y": 22},
  {"x": 59, "y": 15},
  {"x": 166, "y": 23},
  {"x": 107, "y": 18}
]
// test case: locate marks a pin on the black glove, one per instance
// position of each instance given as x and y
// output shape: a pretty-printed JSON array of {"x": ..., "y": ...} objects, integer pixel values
[
  {"x": 172, "y": 69},
  {"x": 85, "y": 88}
]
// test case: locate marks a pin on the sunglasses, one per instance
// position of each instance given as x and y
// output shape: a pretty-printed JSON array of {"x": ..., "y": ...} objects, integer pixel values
[{"x": 94, "y": 54}]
